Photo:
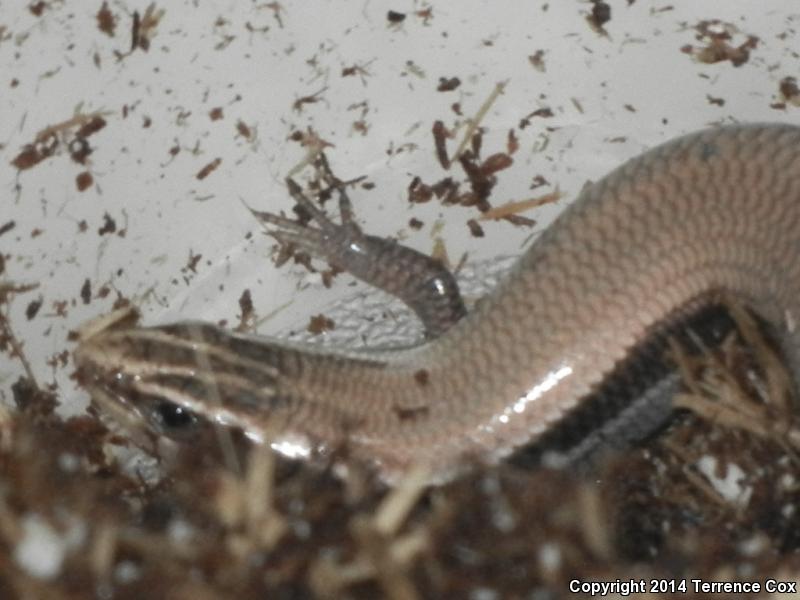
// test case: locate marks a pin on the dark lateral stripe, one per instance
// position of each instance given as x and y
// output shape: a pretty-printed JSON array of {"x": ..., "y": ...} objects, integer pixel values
[{"x": 634, "y": 401}]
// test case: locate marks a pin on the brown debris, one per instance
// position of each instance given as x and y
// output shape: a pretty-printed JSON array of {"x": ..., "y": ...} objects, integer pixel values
[
  {"x": 89, "y": 126},
  {"x": 7, "y": 226},
  {"x": 106, "y": 21},
  {"x": 72, "y": 133},
  {"x": 537, "y": 61},
  {"x": 519, "y": 220},
  {"x": 277, "y": 9},
  {"x": 191, "y": 264},
  {"x": 440, "y": 135},
  {"x": 85, "y": 125},
  {"x": 600, "y": 15},
  {"x": 247, "y": 316},
  {"x": 474, "y": 228},
  {"x": 208, "y": 169},
  {"x": 357, "y": 69},
  {"x": 84, "y": 181},
  {"x": 418, "y": 192},
  {"x": 109, "y": 225},
  {"x": 426, "y": 14},
  {"x": 320, "y": 324},
  {"x": 476, "y": 143},
  {"x": 448, "y": 84},
  {"x": 395, "y": 17},
  {"x": 481, "y": 182},
  {"x": 544, "y": 113},
  {"x": 717, "y": 35},
  {"x": 143, "y": 29},
  {"x": 538, "y": 181},
  {"x": 33, "y": 154},
  {"x": 789, "y": 90},
  {"x": 480, "y": 173},
  {"x": 37, "y": 8},
  {"x": 86, "y": 291},
  {"x": 512, "y": 144},
  {"x": 298, "y": 104},
  {"x": 496, "y": 162},
  {"x": 244, "y": 130},
  {"x": 80, "y": 151},
  {"x": 33, "y": 308}
]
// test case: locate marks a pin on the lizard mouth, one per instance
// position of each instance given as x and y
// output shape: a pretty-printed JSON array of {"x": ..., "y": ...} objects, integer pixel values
[
  {"x": 179, "y": 382},
  {"x": 105, "y": 369}
]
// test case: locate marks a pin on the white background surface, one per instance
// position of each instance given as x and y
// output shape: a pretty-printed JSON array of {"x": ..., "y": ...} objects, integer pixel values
[{"x": 611, "y": 95}]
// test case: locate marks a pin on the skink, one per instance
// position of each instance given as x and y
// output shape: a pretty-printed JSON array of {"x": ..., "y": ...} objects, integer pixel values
[{"x": 649, "y": 245}]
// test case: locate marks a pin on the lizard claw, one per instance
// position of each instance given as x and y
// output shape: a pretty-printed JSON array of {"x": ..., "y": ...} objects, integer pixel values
[{"x": 422, "y": 282}]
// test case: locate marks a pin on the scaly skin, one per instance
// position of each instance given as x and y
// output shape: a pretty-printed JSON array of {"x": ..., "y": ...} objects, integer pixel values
[{"x": 715, "y": 211}]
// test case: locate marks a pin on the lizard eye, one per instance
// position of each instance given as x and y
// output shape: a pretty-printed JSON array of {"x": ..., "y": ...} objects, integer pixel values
[{"x": 174, "y": 418}]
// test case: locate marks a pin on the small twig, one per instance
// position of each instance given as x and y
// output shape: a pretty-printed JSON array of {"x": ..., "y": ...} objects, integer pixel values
[
  {"x": 8, "y": 289},
  {"x": 513, "y": 208},
  {"x": 779, "y": 384},
  {"x": 315, "y": 146},
  {"x": 16, "y": 349},
  {"x": 77, "y": 120},
  {"x": 475, "y": 122}
]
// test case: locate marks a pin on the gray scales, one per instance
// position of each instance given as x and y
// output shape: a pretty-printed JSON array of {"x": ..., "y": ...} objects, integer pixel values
[{"x": 543, "y": 361}]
